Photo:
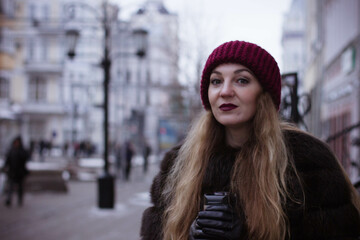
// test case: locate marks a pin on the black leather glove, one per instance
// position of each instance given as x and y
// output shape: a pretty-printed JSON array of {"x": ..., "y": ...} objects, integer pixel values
[
  {"x": 220, "y": 222},
  {"x": 196, "y": 233}
]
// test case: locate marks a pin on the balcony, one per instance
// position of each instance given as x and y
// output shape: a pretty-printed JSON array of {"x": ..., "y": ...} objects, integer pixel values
[
  {"x": 33, "y": 66},
  {"x": 47, "y": 26},
  {"x": 43, "y": 108}
]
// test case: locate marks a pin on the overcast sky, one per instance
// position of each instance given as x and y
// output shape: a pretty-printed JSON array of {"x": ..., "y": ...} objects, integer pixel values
[{"x": 258, "y": 21}]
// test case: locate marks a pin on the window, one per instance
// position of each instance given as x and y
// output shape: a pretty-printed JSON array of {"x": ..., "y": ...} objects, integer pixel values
[
  {"x": 44, "y": 49},
  {"x": 38, "y": 12},
  {"x": 45, "y": 9},
  {"x": 37, "y": 89},
  {"x": 4, "y": 88},
  {"x": 36, "y": 130},
  {"x": 7, "y": 7},
  {"x": 68, "y": 12},
  {"x": 128, "y": 76},
  {"x": 32, "y": 11},
  {"x": 31, "y": 49},
  {"x": 7, "y": 43},
  {"x": 341, "y": 143}
]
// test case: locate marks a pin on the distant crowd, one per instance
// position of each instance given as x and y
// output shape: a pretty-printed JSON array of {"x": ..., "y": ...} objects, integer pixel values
[{"x": 43, "y": 148}]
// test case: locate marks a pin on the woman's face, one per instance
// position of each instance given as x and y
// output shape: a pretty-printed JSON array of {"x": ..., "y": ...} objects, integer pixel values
[{"x": 233, "y": 93}]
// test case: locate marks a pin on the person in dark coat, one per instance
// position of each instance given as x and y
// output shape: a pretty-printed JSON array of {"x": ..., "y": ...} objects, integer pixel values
[
  {"x": 241, "y": 172},
  {"x": 146, "y": 153},
  {"x": 15, "y": 167},
  {"x": 119, "y": 157},
  {"x": 129, "y": 153}
]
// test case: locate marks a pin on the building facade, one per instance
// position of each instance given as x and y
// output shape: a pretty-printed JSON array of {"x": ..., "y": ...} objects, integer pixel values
[
  {"x": 83, "y": 75},
  {"x": 9, "y": 54},
  {"x": 293, "y": 33},
  {"x": 331, "y": 74},
  {"x": 34, "y": 71},
  {"x": 293, "y": 46},
  {"x": 45, "y": 96},
  {"x": 341, "y": 78},
  {"x": 148, "y": 87}
]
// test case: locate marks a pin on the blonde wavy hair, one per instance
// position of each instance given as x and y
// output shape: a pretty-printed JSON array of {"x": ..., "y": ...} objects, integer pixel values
[{"x": 258, "y": 176}]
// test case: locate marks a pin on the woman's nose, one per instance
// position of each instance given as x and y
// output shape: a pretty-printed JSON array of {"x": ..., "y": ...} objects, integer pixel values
[{"x": 227, "y": 90}]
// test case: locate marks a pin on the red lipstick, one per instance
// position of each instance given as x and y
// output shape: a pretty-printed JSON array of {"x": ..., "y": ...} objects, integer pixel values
[{"x": 227, "y": 107}]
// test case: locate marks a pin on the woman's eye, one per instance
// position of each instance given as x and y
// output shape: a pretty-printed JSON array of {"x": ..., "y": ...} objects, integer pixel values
[
  {"x": 243, "y": 81},
  {"x": 215, "y": 81}
]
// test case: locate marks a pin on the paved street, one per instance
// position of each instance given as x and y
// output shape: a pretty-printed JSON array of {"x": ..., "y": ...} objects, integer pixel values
[{"x": 75, "y": 216}]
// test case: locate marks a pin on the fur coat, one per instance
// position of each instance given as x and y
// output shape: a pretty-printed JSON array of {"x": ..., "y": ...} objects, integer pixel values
[{"x": 328, "y": 212}]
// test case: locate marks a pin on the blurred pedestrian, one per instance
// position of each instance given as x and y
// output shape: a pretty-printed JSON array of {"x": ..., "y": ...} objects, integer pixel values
[
  {"x": 146, "y": 154},
  {"x": 129, "y": 153},
  {"x": 65, "y": 149},
  {"x": 32, "y": 148},
  {"x": 270, "y": 180},
  {"x": 42, "y": 149},
  {"x": 15, "y": 167},
  {"x": 119, "y": 159}
]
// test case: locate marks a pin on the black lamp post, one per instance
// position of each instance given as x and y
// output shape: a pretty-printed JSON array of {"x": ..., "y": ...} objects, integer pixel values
[
  {"x": 72, "y": 36},
  {"x": 106, "y": 186},
  {"x": 140, "y": 39}
]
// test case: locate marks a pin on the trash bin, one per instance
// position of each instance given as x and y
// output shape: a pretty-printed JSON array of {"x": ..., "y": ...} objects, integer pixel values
[{"x": 106, "y": 191}]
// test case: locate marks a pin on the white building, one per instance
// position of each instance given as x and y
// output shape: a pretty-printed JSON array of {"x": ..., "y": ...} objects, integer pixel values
[
  {"x": 83, "y": 73},
  {"x": 147, "y": 86},
  {"x": 45, "y": 95},
  {"x": 293, "y": 37},
  {"x": 34, "y": 80},
  {"x": 293, "y": 43}
]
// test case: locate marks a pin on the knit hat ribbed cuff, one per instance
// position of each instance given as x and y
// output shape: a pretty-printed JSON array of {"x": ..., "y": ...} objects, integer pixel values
[{"x": 258, "y": 60}]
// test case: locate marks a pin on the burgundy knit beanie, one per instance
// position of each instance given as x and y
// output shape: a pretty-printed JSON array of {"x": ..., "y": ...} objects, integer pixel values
[{"x": 257, "y": 59}]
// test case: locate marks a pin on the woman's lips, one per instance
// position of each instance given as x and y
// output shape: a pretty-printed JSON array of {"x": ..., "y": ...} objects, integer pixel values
[{"x": 227, "y": 107}]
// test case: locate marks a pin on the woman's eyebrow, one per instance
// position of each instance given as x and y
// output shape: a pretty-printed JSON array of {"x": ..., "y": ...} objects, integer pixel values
[
  {"x": 236, "y": 71},
  {"x": 243, "y": 70},
  {"x": 216, "y": 72}
]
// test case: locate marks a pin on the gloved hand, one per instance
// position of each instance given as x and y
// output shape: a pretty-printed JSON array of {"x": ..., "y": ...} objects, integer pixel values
[
  {"x": 196, "y": 233},
  {"x": 220, "y": 222}
]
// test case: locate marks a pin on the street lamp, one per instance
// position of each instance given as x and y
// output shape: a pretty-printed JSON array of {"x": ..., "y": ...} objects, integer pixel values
[
  {"x": 140, "y": 39},
  {"x": 106, "y": 181},
  {"x": 72, "y": 37}
]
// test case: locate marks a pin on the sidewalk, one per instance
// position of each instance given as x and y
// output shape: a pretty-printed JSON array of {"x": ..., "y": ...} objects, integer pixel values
[{"x": 74, "y": 215}]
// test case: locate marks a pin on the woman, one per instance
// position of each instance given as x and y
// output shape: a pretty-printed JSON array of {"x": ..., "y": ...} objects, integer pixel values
[{"x": 282, "y": 182}]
